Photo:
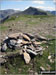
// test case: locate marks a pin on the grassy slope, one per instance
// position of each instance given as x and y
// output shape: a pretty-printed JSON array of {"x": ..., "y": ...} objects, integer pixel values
[{"x": 32, "y": 24}]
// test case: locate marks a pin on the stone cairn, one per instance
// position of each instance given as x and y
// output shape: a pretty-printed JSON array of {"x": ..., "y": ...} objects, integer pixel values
[{"x": 26, "y": 43}]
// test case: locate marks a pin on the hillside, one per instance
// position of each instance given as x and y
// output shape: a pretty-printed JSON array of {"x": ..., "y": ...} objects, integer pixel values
[
  {"x": 43, "y": 25},
  {"x": 5, "y": 14},
  {"x": 53, "y": 12}
]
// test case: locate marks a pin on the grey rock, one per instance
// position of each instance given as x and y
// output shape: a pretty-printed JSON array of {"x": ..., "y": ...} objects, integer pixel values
[
  {"x": 42, "y": 68},
  {"x": 12, "y": 44},
  {"x": 4, "y": 47}
]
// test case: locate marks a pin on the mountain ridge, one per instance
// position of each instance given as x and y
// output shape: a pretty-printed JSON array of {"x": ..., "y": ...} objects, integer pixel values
[{"x": 4, "y": 14}]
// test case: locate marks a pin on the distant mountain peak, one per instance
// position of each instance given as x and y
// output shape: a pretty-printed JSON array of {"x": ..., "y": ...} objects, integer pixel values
[
  {"x": 34, "y": 11},
  {"x": 31, "y": 7}
]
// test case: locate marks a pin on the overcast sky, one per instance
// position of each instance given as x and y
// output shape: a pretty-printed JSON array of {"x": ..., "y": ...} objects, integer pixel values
[{"x": 24, "y": 4}]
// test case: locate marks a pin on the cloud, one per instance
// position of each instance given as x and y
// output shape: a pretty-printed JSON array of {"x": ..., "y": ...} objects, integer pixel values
[
  {"x": 54, "y": 1},
  {"x": 16, "y": 8},
  {"x": 39, "y": 2},
  {"x": 26, "y": 7},
  {"x": 46, "y": 8}
]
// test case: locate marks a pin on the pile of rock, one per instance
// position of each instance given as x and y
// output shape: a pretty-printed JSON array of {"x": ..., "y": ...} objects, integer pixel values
[{"x": 26, "y": 43}]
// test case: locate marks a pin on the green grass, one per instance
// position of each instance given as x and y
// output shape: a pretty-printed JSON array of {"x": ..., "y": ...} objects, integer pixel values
[
  {"x": 11, "y": 18},
  {"x": 3, "y": 27},
  {"x": 50, "y": 36},
  {"x": 24, "y": 17},
  {"x": 14, "y": 64}
]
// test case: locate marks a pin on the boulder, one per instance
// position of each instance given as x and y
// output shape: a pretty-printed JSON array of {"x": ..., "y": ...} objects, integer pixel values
[
  {"x": 41, "y": 38},
  {"x": 4, "y": 47},
  {"x": 49, "y": 57},
  {"x": 26, "y": 37},
  {"x": 31, "y": 52},
  {"x": 27, "y": 57},
  {"x": 15, "y": 35},
  {"x": 19, "y": 41},
  {"x": 42, "y": 68},
  {"x": 31, "y": 36},
  {"x": 51, "y": 61},
  {"x": 12, "y": 44},
  {"x": 25, "y": 42},
  {"x": 37, "y": 43}
]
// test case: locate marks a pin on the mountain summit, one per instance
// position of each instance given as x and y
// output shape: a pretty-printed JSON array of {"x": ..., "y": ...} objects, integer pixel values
[{"x": 34, "y": 11}]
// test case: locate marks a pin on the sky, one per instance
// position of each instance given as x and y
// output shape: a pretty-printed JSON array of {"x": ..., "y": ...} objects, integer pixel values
[{"x": 24, "y": 4}]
